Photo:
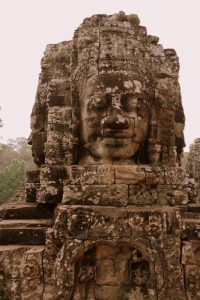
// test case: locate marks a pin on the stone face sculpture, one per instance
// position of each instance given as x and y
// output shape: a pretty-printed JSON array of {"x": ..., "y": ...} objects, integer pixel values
[
  {"x": 124, "y": 94},
  {"x": 126, "y": 79},
  {"x": 111, "y": 96},
  {"x": 107, "y": 137}
]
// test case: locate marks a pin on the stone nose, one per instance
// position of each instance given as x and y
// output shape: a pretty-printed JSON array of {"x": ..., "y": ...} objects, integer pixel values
[
  {"x": 116, "y": 121},
  {"x": 29, "y": 140}
]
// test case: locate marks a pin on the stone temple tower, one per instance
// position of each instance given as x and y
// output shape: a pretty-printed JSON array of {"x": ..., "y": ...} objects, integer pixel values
[{"x": 114, "y": 216}]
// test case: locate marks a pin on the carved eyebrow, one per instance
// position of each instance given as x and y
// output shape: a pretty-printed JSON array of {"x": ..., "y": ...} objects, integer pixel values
[{"x": 127, "y": 96}]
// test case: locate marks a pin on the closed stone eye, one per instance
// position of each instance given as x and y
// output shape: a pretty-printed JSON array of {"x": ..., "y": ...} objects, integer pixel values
[{"x": 129, "y": 102}]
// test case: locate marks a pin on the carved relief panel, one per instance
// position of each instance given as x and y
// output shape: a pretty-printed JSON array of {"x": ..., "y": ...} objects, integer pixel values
[{"x": 111, "y": 273}]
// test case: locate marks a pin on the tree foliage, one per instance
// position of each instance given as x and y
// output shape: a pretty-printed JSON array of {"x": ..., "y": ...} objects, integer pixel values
[
  {"x": 16, "y": 149},
  {"x": 11, "y": 178},
  {"x": 15, "y": 159}
]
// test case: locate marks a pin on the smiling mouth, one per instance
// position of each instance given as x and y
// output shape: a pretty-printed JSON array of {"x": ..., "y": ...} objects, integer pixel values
[
  {"x": 115, "y": 134},
  {"x": 115, "y": 142}
]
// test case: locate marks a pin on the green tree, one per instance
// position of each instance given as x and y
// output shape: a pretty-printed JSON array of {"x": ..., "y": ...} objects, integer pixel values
[
  {"x": 15, "y": 159},
  {"x": 23, "y": 151},
  {"x": 7, "y": 154},
  {"x": 16, "y": 149},
  {"x": 10, "y": 179}
]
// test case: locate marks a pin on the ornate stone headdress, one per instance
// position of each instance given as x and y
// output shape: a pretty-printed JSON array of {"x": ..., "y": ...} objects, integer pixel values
[{"x": 118, "y": 44}]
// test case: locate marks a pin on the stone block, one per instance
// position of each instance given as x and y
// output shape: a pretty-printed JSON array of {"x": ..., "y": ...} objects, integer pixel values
[
  {"x": 31, "y": 191},
  {"x": 154, "y": 175},
  {"x": 156, "y": 50},
  {"x": 72, "y": 221},
  {"x": 190, "y": 229},
  {"x": 32, "y": 288},
  {"x": 27, "y": 211},
  {"x": 115, "y": 194},
  {"x": 49, "y": 173},
  {"x": 51, "y": 180},
  {"x": 59, "y": 115},
  {"x": 179, "y": 197},
  {"x": 56, "y": 133},
  {"x": 190, "y": 252},
  {"x": 51, "y": 192},
  {"x": 56, "y": 100},
  {"x": 192, "y": 284},
  {"x": 23, "y": 232},
  {"x": 174, "y": 176},
  {"x": 32, "y": 264},
  {"x": 90, "y": 175},
  {"x": 32, "y": 184},
  {"x": 108, "y": 222},
  {"x": 142, "y": 194},
  {"x": 129, "y": 174},
  {"x": 54, "y": 153},
  {"x": 164, "y": 192},
  {"x": 33, "y": 176},
  {"x": 147, "y": 222},
  {"x": 22, "y": 272}
]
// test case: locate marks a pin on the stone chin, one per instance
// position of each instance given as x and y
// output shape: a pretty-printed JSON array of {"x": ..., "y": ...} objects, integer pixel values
[{"x": 113, "y": 148}]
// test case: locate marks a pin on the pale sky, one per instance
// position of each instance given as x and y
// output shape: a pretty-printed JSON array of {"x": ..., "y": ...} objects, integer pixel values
[{"x": 27, "y": 26}]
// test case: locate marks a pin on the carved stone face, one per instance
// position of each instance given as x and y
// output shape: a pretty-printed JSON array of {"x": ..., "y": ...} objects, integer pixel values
[{"x": 114, "y": 116}]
